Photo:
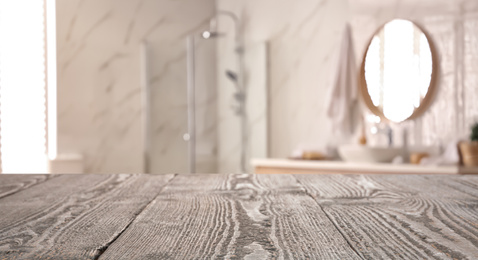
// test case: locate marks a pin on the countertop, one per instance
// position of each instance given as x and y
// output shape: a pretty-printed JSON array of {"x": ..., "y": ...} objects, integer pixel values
[
  {"x": 300, "y": 166},
  {"x": 207, "y": 216}
]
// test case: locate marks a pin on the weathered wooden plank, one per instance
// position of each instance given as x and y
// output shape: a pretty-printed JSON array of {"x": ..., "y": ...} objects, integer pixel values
[
  {"x": 397, "y": 216},
  {"x": 232, "y": 217},
  {"x": 465, "y": 184},
  {"x": 242, "y": 216},
  {"x": 73, "y": 216},
  {"x": 13, "y": 183},
  {"x": 37, "y": 199}
]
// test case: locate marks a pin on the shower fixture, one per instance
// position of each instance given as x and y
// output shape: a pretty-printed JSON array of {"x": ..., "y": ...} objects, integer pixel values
[
  {"x": 209, "y": 34},
  {"x": 239, "y": 96},
  {"x": 212, "y": 32},
  {"x": 231, "y": 75},
  {"x": 236, "y": 76}
]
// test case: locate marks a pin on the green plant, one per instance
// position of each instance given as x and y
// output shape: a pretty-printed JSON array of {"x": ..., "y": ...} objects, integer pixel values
[{"x": 474, "y": 132}]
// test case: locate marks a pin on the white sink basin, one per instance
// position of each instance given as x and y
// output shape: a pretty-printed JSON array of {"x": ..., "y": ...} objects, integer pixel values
[{"x": 360, "y": 153}]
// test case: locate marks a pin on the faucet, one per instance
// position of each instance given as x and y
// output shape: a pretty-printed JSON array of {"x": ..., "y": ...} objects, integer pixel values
[
  {"x": 385, "y": 130},
  {"x": 390, "y": 136}
]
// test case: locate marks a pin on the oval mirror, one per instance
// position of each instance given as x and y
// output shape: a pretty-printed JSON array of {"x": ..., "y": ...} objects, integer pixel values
[{"x": 398, "y": 73}]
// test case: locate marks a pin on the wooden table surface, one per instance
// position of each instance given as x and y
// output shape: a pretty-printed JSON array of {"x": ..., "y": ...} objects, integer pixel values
[{"x": 201, "y": 216}]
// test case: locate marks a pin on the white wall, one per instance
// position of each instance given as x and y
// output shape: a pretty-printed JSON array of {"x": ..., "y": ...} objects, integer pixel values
[
  {"x": 99, "y": 97},
  {"x": 303, "y": 39},
  {"x": 453, "y": 26}
]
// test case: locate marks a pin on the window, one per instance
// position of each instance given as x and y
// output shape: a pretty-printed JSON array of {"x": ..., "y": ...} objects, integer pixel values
[{"x": 23, "y": 78}]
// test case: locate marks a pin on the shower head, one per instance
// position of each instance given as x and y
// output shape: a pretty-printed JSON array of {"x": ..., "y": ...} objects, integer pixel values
[
  {"x": 210, "y": 34},
  {"x": 231, "y": 75},
  {"x": 212, "y": 31}
]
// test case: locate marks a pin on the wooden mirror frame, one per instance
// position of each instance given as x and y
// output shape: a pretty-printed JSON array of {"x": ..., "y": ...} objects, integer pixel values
[{"x": 427, "y": 100}]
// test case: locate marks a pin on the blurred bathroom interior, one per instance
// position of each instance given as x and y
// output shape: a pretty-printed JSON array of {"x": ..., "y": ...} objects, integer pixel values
[{"x": 204, "y": 86}]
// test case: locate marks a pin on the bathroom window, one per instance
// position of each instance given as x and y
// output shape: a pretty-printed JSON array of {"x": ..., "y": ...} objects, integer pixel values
[{"x": 27, "y": 64}]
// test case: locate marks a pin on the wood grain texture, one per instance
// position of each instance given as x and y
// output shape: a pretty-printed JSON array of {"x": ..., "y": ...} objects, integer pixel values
[
  {"x": 73, "y": 216},
  {"x": 239, "y": 217},
  {"x": 400, "y": 216},
  {"x": 13, "y": 183},
  {"x": 297, "y": 170},
  {"x": 232, "y": 217}
]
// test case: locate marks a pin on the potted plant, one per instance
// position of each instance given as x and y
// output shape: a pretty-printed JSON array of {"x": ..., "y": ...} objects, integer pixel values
[{"x": 469, "y": 150}]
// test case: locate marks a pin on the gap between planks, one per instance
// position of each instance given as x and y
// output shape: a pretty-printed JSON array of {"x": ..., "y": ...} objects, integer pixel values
[
  {"x": 47, "y": 178},
  {"x": 328, "y": 217},
  {"x": 102, "y": 249}
]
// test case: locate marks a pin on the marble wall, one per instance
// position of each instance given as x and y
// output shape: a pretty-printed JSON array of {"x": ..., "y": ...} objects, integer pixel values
[
  {"x": 239, "y": 141},
  {"x": 303, "y": 39},
  {"x": 99, "y": 94},
  {"x": 452, "y": 25}
]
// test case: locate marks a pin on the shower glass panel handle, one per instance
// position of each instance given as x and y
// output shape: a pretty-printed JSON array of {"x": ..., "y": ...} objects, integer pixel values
[{"x": 190, "y": 137}]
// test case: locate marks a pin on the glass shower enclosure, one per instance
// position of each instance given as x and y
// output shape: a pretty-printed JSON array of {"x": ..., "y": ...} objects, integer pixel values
[{"x": 215, "y": 120}]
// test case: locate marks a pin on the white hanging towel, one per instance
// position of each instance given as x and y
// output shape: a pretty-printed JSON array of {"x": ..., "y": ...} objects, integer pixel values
[{"x": 343, "y": 91}]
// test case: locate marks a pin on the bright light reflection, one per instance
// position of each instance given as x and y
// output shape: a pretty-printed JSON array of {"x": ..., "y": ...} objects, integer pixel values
[
  {"x": 398, "y": 69},
  {"x": 374, "y": 80},
  {"x": 22, "y": 87},
  {"x": 52, "y": 94}
]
